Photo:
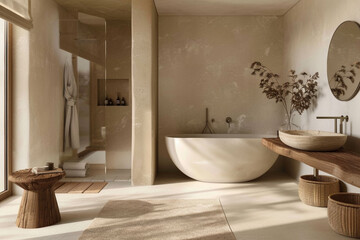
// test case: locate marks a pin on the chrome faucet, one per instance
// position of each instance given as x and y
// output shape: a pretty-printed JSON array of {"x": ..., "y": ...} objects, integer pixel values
[{"x": 341, "y": 118}]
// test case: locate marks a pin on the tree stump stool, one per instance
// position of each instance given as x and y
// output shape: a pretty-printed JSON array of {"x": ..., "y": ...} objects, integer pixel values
[{"x": 38, "y": 207}]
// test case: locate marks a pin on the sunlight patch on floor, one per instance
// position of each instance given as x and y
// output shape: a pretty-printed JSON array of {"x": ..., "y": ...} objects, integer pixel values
[{"x": 267, "y": 208}]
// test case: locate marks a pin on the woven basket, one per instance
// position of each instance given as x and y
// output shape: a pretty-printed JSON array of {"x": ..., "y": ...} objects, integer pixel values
[
  {"x": 314, "y": 191},
  {"x": 344, "y": 214}
]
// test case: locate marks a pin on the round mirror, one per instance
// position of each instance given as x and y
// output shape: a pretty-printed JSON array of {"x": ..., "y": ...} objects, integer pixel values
[{"x": 343, "y": 66}]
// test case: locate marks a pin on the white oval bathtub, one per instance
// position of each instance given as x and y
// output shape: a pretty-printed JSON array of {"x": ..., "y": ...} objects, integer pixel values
[{"x": 220, "y": 157}]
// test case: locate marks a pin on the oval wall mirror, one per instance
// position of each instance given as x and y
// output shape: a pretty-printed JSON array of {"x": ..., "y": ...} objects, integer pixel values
[{"x": 343, "y": 66}]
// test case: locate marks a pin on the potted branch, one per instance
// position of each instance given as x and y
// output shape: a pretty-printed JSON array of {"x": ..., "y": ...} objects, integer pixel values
[{"x": 296, "y": 95}]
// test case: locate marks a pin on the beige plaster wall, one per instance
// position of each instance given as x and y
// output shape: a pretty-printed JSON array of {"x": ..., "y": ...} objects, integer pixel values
[
  {"x": 308, "y": 28},
  {"x": 118, "y": 119},
  {"x": 204, "y": 62},
  {"x": 38, "y": 105},
  {"x": 144, "y": 91}
]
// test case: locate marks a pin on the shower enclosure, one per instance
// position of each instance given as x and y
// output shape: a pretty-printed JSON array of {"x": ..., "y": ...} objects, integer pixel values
[{"x": 100, "y": 47}]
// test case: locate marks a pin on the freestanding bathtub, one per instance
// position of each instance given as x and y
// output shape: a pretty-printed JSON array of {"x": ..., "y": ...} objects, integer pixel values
[{"x": 220, "y": 157}]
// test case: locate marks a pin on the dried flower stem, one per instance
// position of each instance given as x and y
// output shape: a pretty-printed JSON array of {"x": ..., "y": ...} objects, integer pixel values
[{"x": 301, "y": 90}]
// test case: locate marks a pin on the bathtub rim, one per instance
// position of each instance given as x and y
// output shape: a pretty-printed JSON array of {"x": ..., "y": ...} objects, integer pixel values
[{"x": 222, "y": 136}]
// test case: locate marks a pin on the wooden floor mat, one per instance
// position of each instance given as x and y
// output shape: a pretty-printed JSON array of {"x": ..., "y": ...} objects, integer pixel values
[{"x": 79, "y": 187}]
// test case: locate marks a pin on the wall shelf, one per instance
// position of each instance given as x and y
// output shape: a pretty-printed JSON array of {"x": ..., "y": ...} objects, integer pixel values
[
  {"x": 112, "y": 88},
  {"x": 342, "y": 164}
]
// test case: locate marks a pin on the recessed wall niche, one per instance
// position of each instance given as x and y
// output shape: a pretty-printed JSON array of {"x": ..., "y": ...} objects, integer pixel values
[{"x": 112, "y": 88}]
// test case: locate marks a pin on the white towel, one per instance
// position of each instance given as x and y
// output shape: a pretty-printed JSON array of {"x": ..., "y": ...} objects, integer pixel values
[
  {"x": 75, "y": 165},
  {"x": 75, "y": 173}
]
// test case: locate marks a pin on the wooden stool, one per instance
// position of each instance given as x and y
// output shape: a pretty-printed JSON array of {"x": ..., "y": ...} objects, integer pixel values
[{"x": 38, "y": 207}]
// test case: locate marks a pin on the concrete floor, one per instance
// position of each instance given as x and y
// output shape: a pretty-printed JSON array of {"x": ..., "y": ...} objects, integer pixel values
[{"x": 267, "y": 208}]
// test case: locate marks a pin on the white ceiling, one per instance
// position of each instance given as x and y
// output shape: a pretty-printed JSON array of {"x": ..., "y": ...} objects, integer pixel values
[
  {"x": 224, "y": 7},
  {"x": 121, "y": 9}
]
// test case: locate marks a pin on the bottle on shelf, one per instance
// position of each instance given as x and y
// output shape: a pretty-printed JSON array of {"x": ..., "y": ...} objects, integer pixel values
[
  {"x": 106, "y": 101},
  {"x": 111, "y": 103},
  {"x": 123, "y": 102},
  {"x": 118, "y": 101}
]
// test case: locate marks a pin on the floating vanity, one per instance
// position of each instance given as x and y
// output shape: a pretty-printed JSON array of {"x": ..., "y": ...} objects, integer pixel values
[
  {"x": 341, "y": 164},
  {"x": 343, "y": 208}
]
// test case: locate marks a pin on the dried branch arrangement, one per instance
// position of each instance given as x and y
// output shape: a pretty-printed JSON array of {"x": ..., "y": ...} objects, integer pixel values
[
  {"x": 300, "y": 90},
  {"x": 341, "y": 76}
]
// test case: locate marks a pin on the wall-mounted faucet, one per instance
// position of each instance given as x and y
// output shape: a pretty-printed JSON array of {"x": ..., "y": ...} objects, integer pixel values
[
  {"x": 228, "y": 120},
  {"x": 207, "y": 128},
  {"x": 341, "y": 118}
]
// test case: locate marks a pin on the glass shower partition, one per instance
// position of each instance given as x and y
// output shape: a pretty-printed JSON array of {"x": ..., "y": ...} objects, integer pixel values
[
  {"x": 101, "y": 51},
  {"x": 118, "y": 86},
  {"x": 84, "y": 37}
]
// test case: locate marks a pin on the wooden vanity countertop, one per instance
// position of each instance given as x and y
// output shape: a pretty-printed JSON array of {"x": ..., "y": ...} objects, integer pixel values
[{"x": 342, "y": 164}]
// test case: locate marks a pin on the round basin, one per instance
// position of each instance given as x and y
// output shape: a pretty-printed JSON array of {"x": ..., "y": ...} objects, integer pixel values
[{"x": 312, "y": 140}]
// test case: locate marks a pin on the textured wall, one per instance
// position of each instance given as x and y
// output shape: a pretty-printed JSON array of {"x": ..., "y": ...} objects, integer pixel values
[
  {"x": 118, "y": 119},
  {"x": 38, "y": 104},
  {"x": 308, "y": 28},
  {"x": 204, "y": 62},
  {"x": 144, "y": 91}
]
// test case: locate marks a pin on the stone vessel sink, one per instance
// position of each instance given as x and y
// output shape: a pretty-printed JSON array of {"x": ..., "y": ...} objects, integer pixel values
[{"x": 312, "y": 140}]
